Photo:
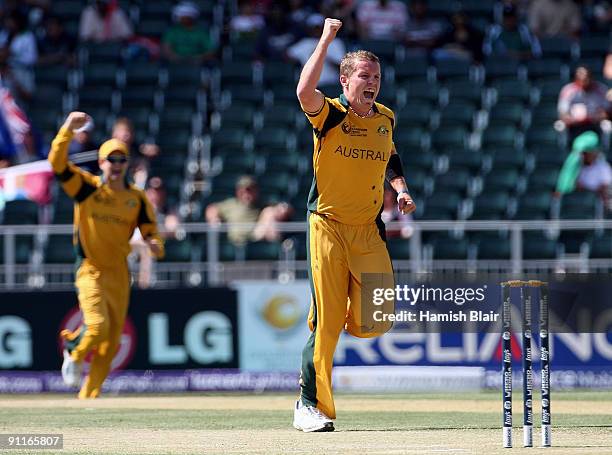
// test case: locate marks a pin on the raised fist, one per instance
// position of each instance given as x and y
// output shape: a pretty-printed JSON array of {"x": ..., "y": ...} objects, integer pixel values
[
  {"x": 330, "y": 28},
  {"x": 76, "y": 120}
]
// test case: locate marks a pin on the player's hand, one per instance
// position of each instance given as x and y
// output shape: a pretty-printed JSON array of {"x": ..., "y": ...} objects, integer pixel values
[
  {"x": 330, "y": 28},
  {"x": 405, "y": 204},
  {"x": 155, "y": 247},
  {"x": 76, "y": 120}
]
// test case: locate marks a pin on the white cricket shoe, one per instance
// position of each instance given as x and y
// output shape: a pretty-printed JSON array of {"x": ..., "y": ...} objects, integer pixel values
[
  {"x": 71, "y": 370},
  {"x": 309, "y": 419}
]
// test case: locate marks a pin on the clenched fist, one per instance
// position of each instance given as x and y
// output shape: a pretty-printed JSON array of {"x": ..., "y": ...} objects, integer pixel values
[
  {"x": 76, "y": 120},
  {"x": 330, "y": 28},
  {"x": 405, "y": 204}
]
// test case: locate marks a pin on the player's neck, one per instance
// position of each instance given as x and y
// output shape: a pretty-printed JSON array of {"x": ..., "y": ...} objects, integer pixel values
[
  {"x": 116, "y": 185},
  {"x": 361, "y": 111}
]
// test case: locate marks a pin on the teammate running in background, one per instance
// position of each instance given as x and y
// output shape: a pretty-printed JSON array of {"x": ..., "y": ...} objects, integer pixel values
[
  {"x": 353, "y": 153},
  {"x": 107, "y": 211}
]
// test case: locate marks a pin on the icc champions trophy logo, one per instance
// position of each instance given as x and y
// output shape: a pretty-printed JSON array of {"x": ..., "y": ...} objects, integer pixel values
[{"x": 127, "y": 346}]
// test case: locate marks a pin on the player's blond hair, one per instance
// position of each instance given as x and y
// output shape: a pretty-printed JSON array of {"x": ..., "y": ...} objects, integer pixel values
[{"x": 349, "y": 61}]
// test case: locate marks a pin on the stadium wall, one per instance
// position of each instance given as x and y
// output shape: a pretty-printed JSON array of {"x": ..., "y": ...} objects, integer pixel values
[{"x": 250, "y": 338}]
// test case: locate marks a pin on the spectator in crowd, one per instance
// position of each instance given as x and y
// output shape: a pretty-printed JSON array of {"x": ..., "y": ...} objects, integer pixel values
[
  {"x": 298, "y": 12},
  {"x": 607, "y": 71},
  {"x": 275, "y": 38},
  {"x": 462, "y": 41},
  {"x": 343, "y": 10},
  {"x": 18, "y": 143},
  {"x": 55, "y": 45},
  {"x": 582, "y": 104},
  {"x": 548, "y": 18},
  {"x": 512, "y": 38},
  {"x": 167, "y": 218},
  {"x": 381, "y": 20},
  {"x": 522, "y": 6},
  {"x": 422, "y": 31},
  {"x": 391, "y": 213},
  {"x": 18, "y": 54},
  {"x": 104, "y": 20},
  {"x": 142, "y": 154},
  {"x": 168, "y": 223},
  {"x": 585, "y": 169},
  {"x": 597, "y": 15},
  {"x": 186, "y": 41},
  {"x": 247, "y": 23},
  {"x": 303, "y": 49},
  {"x": 34, "y": 10},
  {"x": 246, "y": 208}
]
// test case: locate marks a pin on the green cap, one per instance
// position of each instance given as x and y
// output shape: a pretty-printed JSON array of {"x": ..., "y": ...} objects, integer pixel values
[{"x": 586, "y": 142}]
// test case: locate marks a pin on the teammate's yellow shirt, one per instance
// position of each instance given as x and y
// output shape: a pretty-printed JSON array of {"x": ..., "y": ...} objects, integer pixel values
[
  {"x": 349, "y": 161},
  {"x": 104, "y": 219}
]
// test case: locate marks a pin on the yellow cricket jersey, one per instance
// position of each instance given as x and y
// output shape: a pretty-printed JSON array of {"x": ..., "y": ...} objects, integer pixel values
[
  {"x": 349, "y": 161},
  {"x": 104, "y": 219}
]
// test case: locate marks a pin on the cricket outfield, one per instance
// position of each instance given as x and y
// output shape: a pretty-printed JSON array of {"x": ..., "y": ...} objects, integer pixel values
[{"x": 373, "y": 424}]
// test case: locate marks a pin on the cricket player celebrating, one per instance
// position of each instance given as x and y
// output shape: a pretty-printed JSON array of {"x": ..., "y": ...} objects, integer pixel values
[
  {"x": 107, "y": 211},
  {"x": 353, "y": 154}
]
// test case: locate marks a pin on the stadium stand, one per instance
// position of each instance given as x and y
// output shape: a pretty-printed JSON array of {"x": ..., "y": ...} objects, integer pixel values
[{"x": 479, "y": 140}]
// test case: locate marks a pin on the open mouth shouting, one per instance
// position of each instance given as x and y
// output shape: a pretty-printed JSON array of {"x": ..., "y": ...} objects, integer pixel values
[
  {"x": 369, "y": 94},
  {"x": 116, "y": 173}
]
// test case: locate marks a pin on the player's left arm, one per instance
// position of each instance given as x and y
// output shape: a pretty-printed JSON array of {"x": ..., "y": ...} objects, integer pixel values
[
  {"x": 147, "y": 224},
  {"x": 395, "y": 177}
]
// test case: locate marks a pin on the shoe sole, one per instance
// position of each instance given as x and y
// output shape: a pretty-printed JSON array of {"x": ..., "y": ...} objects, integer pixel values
[{"x": 324, "y": 429}]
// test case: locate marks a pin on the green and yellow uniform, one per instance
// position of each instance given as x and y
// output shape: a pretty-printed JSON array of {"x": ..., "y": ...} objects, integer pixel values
[
  {"x": 345, "y": 233},
  {"x": 104, "y": 221}
]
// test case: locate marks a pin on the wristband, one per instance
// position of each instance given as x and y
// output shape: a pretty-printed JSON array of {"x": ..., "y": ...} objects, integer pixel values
[{"x": 400, "y": 192}]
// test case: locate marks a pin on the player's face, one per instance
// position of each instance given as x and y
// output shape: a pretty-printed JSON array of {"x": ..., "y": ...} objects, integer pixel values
[
  {"x": 363, "y": 85},
  {"x": 114, "y": 167}
]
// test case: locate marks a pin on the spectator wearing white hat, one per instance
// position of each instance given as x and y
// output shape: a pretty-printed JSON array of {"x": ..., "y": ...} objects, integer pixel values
[{"x": 186, "y": 41}]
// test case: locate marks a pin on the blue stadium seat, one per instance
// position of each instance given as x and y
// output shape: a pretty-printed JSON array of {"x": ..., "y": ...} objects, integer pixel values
[
  {"x": 398, "y": 248},
  {"x": 465, "y": 158},
  {"x": 59, "y": 249},
  {"x": 450, "y": 248},
  {"x": 493, "y": 248},
  {"x": 536, "y": 245},
  {"x": 512, "y": 90},
  {"x": 499, "y": 136},
  {"x": 491, "y": 205}
]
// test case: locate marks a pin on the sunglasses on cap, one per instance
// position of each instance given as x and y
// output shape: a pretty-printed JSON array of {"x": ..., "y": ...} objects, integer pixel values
[{"x": 116, "y": 159}]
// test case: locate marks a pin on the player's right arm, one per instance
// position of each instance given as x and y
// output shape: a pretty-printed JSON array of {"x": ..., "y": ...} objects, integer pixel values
[
  {"x": 77, "y": 183},
  {"x": 310, "y": 98}
]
